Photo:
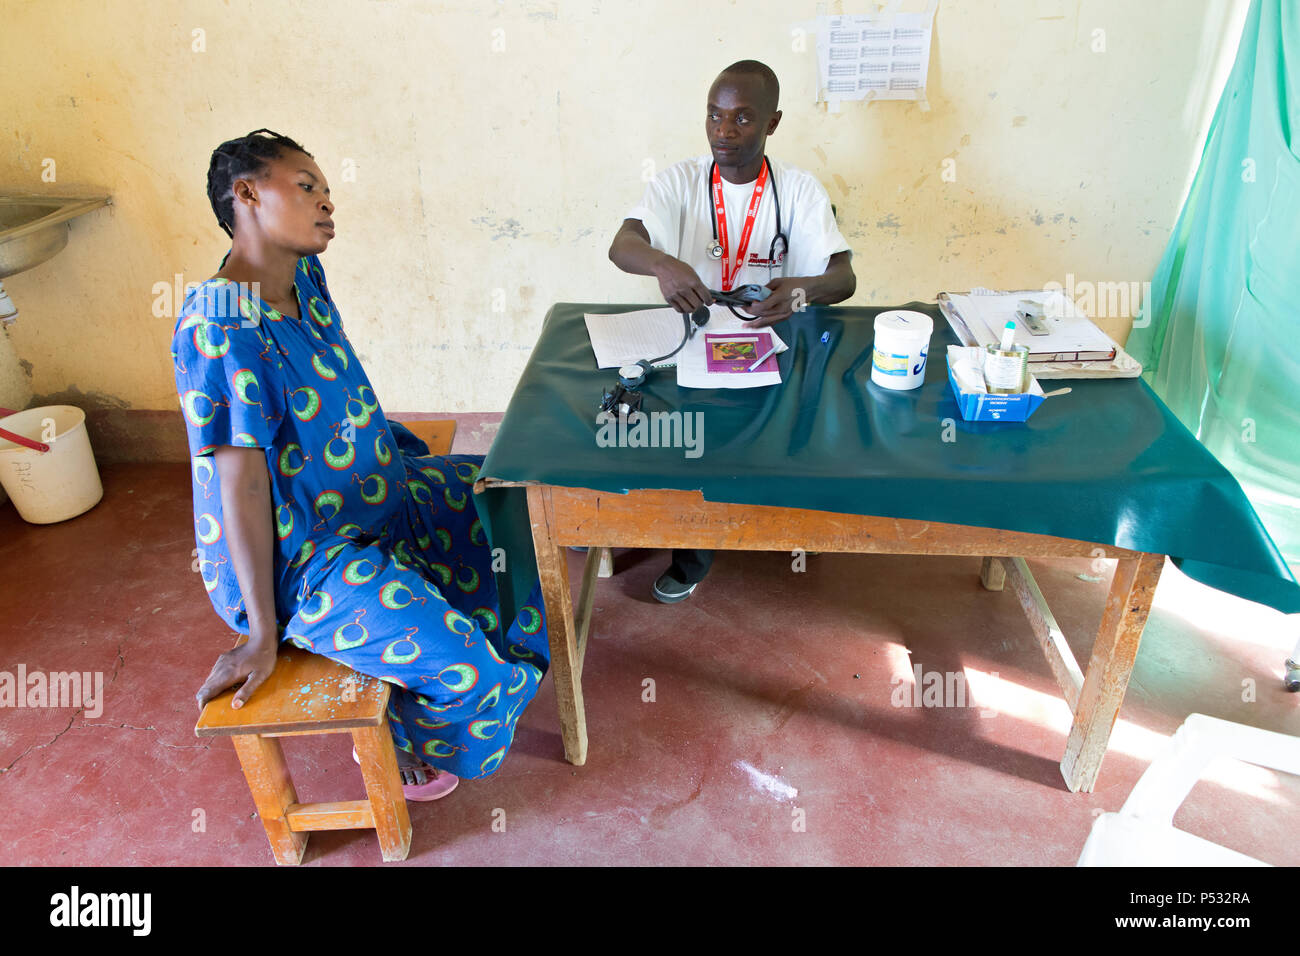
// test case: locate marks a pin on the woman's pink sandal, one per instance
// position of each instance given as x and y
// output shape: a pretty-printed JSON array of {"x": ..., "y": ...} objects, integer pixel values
[{"x": 434, "y": 787}]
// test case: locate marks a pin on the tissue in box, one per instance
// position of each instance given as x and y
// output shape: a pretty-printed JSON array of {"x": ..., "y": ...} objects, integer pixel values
[{"x": 966, "y": 375}]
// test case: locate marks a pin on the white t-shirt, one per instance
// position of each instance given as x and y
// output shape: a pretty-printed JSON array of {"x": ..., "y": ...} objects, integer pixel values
[{"x": 677, "y": 212}]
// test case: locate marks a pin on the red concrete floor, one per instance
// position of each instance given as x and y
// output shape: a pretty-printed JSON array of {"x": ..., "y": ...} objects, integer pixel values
[{"x": 772, "y": 703}]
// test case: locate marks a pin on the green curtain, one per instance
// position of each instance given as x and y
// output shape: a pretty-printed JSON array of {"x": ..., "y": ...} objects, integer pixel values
[{"x": 1220, "y": 333}]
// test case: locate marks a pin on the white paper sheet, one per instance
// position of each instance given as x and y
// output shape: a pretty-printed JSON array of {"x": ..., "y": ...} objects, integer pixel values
[
  {"x": 629, "y": 337},
  {"x": 882, "y": 56},
  {"x": 1072, "y": 332},
  {"x": 693, "y": 365}
]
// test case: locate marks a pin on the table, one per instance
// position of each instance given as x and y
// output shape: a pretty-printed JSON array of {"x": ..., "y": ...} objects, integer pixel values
[{"x": 1110, "y": 474}]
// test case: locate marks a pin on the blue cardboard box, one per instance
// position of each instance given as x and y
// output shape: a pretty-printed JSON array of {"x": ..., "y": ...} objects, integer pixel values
[{"x": 979, "y": 406}]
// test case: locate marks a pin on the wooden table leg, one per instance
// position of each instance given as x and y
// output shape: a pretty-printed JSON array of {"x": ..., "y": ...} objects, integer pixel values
[
  {"x": 553, "y": 569},
  {"x": 273, "y": 793},
  {"x": 606, "y": 563},
  {"x": 1107, "y": 676},
  {"x": 992, "y": 574},
  {"x": 384, "y": 788}
]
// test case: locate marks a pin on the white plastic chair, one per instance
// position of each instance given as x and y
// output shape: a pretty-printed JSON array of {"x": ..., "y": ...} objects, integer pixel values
[{"x": 1143, "y": 834}]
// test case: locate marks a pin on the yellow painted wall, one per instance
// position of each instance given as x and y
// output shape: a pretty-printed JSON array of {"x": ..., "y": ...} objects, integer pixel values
[
  {"x": 498, "y": 177},
  {"x": 15, "y": 388}
]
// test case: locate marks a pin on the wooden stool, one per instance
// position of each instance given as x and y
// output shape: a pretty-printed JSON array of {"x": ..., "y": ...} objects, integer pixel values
[
  {"x": 309, "y": 694},
  {"x": 437, "y": 434}
]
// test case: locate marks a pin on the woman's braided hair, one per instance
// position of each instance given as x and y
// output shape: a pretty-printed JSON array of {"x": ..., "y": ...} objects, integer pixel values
[{"x": 239, "y": 159}]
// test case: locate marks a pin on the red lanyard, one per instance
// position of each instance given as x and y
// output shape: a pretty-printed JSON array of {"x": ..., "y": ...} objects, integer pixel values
[{"x": 721, "y": 213}]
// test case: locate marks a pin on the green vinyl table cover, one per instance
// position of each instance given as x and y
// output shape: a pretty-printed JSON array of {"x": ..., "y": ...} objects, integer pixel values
[{"x": 1107, "y": 463}]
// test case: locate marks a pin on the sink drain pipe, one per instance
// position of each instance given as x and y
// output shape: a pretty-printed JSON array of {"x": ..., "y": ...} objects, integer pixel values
[{"x": 8, "y": 311}]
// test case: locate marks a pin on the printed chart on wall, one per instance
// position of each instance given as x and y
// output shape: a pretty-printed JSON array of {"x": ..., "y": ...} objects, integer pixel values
[{"x": 875, "y": 56}]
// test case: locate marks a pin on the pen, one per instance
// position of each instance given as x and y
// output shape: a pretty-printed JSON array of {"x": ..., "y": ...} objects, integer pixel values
[
  {"x": 826, "y": 337},
  {"x": 770, "y": 353}
]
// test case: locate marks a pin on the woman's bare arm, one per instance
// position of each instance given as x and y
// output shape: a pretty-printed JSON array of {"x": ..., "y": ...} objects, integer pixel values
[{"x": 246, "y": 510}]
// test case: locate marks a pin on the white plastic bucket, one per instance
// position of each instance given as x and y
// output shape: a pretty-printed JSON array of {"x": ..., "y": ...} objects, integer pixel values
[
  {"x": 901, "y": 346},
  {"x": 53, "y": 485}
]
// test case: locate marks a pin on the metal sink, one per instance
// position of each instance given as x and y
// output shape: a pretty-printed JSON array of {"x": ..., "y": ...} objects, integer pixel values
[{"x": 34, "y": 228}]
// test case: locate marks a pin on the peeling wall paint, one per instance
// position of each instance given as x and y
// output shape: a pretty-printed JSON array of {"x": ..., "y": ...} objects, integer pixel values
[{"x": 15, "y": 375}]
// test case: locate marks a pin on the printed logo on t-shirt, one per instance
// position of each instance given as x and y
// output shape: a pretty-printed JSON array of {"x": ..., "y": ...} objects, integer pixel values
[{"x": 763, "y": 262}]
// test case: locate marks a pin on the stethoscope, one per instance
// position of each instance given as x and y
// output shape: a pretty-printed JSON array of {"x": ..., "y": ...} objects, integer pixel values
[
  {"x": 624, "y": 398},
  {"x": 714, "y": 248}
]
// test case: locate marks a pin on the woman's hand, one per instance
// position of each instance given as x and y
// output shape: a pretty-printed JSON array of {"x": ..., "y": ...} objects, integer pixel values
[
  {"x": 246, "y": 512},
  {"x": 250, "y": 662}
]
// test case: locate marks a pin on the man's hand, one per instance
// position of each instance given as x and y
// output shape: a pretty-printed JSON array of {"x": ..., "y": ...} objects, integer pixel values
[
  {"x": 681, "y": 287},
  {"x": 250, "y": 662},
  {"x": 633, "y": 252},
  {"x": 788, "y": 294}
]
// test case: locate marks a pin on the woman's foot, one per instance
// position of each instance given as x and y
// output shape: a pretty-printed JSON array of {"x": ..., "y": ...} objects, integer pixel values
[{"x": 420, "y": 782}]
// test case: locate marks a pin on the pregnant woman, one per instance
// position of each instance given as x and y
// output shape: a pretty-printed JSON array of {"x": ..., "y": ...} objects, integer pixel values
[{"x": 320, "y": 522}]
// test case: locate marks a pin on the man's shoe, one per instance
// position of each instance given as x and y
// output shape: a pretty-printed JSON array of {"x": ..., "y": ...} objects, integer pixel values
[{"x": 668, "y": 590}]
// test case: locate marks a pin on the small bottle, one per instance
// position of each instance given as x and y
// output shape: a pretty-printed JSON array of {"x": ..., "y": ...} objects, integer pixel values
[{"x": 1006, "y": 365}]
